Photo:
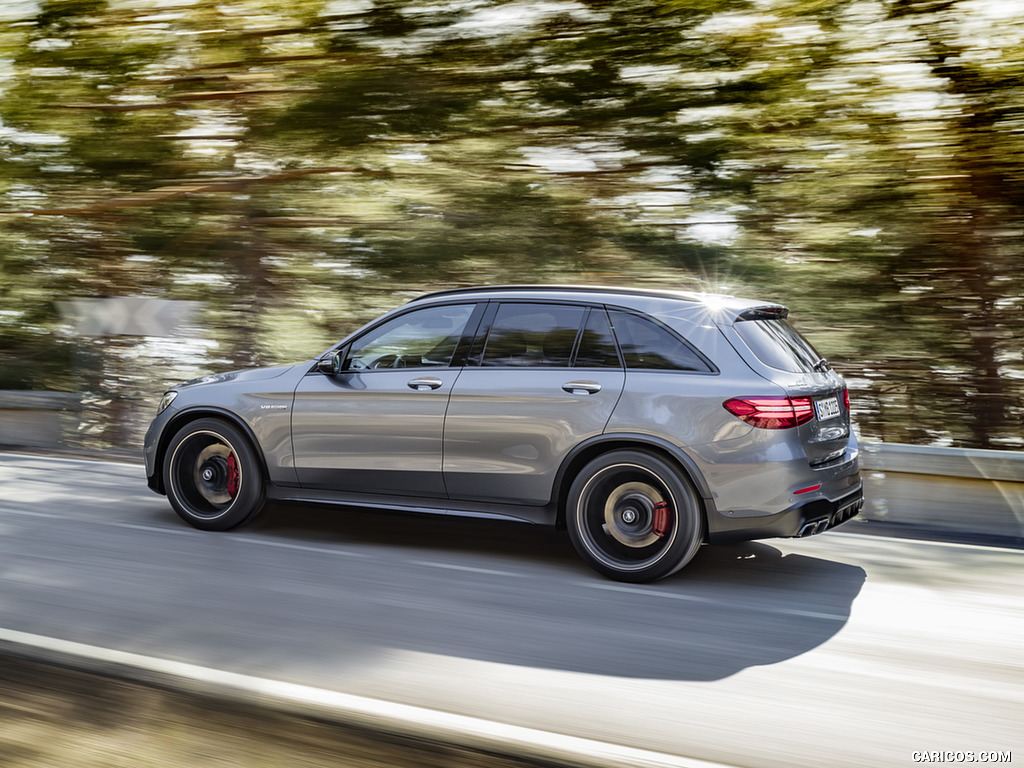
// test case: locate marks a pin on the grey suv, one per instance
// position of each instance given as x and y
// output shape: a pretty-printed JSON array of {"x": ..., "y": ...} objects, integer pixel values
[{"x": 645, "y": 422}]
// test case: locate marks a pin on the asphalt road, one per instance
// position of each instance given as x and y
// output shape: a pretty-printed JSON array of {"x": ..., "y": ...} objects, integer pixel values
[{"x": 839, "y": 650}]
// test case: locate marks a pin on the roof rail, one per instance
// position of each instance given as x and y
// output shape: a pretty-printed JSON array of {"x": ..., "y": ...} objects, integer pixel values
[{"x": 564, "y": 289}]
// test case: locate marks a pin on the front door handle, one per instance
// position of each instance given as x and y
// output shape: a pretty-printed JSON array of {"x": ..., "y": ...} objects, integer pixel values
[
  {"x": 581, "y": 387},
  {"x": 425, "y": 383}
]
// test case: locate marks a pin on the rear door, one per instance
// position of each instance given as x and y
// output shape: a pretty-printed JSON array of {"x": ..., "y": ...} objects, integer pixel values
[{"x": 543, "y": 378}]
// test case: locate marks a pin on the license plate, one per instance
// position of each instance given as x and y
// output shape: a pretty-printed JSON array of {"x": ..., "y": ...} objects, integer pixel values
[{"x": 827, "y": 408}]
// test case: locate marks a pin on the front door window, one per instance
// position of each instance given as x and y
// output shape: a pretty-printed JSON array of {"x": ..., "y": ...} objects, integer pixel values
[{"x": 424, "y": 338}]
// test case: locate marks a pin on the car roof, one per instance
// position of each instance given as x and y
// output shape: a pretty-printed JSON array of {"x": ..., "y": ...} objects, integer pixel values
[{"x": 648, "y": 299}]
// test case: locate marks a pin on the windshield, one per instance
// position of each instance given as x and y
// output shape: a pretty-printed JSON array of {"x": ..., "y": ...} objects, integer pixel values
[{"x": 778, "y": 344}]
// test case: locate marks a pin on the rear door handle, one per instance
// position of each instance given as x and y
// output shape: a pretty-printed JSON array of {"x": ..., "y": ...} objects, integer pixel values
[
  {"x": 581, "y": 387},
  {"x": 424, "y": 383}
]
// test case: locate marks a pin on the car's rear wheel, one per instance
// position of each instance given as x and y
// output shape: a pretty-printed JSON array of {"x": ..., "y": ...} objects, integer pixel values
[
  {"x": 212, "y": 475},
  {"x": 632, "y": 516}
]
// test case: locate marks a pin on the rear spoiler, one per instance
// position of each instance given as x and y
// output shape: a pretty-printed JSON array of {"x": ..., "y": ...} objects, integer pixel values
[{"x": 765, "y": 312}]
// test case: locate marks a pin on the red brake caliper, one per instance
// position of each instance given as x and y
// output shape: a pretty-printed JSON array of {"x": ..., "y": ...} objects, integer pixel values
[
  {"x": 662, "y": 518},
  {"x": 232, "y": 476}
]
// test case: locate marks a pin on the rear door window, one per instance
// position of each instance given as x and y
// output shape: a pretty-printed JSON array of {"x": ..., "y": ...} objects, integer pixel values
[
  {"x": 597, "y": 343},
  {"x": 648, "y": 345},
  {"x": 533, "y": 335}
]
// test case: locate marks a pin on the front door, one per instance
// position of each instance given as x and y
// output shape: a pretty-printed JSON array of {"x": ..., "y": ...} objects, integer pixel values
[{"x": 377, "y": 426}]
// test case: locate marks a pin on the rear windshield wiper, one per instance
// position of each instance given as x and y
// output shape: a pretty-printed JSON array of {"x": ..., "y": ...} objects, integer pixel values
[{"x": 822, "y": 365}]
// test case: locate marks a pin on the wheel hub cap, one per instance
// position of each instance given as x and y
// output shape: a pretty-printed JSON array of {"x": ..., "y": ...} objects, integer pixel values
[
  {"x": 629, "y": 514},
  {"x": 216, "y": 474}
]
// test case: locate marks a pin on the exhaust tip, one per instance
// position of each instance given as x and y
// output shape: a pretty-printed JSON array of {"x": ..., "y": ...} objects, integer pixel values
[
  {"x": 815, "y": 526},
  {"x": 809, "y": 529}
]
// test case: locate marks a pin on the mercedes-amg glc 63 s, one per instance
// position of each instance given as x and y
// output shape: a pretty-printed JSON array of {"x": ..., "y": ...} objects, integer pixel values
[{"x": 645, "y": 422}]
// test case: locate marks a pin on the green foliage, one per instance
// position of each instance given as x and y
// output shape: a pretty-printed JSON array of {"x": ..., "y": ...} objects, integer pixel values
[{"x": 300, "y": 166}]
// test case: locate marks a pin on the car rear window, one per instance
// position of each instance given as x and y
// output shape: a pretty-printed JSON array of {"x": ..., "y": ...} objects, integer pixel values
[
  {"x": 778, "y": 344},
  {"x": 646, "y": 345}
]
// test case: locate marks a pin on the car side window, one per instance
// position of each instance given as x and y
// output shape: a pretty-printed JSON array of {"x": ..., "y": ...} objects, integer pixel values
[
  {"x": 597, "y": 343},
  {"x": 533, "y": 335},
  {"x": 423, "y": 338},
  {"x": 648, "y": 345}
]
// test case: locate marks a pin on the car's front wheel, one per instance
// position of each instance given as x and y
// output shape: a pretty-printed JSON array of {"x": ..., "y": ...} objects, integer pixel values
[
  {"x": 212, "y": 475},
  {"x": 632, "y": 516}
]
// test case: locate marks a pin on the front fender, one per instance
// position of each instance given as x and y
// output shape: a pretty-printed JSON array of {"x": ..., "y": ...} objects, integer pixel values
[{"x": 156, "y": 446}]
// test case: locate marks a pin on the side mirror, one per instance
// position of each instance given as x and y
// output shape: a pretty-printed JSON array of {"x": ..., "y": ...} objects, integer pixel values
[{"x": 333, "y": 364}]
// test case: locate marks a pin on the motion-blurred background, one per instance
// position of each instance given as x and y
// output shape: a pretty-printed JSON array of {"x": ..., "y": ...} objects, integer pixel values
[{"x": 297, "y": 167}]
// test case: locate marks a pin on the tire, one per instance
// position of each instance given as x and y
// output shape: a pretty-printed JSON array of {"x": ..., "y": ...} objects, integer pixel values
[
  {"x": 212, "y": 476},
  {"x": 613, "y": 516}
]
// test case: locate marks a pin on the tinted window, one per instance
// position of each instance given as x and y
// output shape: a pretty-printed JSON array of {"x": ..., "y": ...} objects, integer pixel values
[
  {"x": 646, "y": 344},
  {"x": 597, "y": 344},
  {"x": 423, "y": 338},
  {"x": 778, "y": 344},
  {"x": 530, "y": 335}
]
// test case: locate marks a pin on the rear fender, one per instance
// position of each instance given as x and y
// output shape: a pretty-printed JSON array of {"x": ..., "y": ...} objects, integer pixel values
[{"x": 588, "y": 449}]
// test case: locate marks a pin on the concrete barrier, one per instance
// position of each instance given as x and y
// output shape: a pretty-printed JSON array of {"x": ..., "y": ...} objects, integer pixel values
[
  {"x": 961, "y": 492},
  {"x": 36, "y": 419},
  {"x": 947, "y": 462},
  {"x": 228, "y": 710}
]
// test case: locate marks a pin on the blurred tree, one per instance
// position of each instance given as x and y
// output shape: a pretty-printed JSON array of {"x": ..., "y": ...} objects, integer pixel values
[
  {"x": 883, "y": 150},
  {"x": 297, "y": 164}
]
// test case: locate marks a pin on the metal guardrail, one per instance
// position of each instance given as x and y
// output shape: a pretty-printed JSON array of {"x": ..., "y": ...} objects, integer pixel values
[
  {"x": 1005, "y": 466},
  {"x": 34, "y": 419},
  {"x": 970, "y": 494},
  {"x": 30, "y": 400}
]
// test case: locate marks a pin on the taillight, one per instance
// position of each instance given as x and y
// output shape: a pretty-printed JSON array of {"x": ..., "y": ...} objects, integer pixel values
[
  {"x": 846, "y": 399},
  {"x": 771, "y": 411}
]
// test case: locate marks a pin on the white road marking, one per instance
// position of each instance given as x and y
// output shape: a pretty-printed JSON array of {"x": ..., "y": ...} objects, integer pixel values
[
  {"x": 27, "y": 513},
  {"x": 155, "y": 529},
  {"x": 183, "y": 532},
  {"x": 470, "y": 568},
  {"x": 301, "y": 547}
]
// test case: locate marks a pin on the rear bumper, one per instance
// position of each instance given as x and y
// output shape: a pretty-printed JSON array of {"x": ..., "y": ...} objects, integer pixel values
[{"x": 802, "y": 520}]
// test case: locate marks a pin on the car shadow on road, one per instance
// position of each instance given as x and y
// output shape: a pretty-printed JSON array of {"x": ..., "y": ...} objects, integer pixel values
[{"x": 731, "y": 608}]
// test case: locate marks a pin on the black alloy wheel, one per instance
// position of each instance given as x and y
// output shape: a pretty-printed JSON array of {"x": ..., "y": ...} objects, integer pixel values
[
  {"x": 212, "y": 476},
  {"x": 633, "y": 516}
]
